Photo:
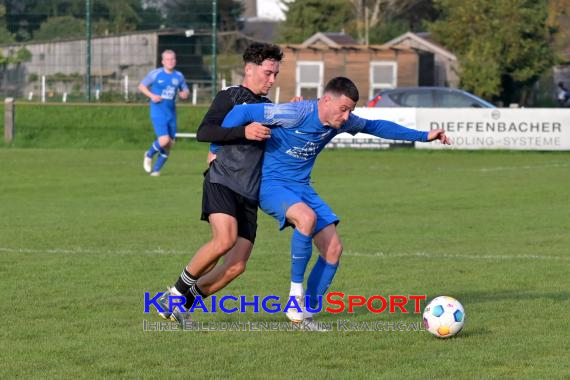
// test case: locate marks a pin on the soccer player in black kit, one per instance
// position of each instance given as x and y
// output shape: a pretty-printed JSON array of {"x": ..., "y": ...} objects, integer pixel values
[{"x": 231, "y": 184}]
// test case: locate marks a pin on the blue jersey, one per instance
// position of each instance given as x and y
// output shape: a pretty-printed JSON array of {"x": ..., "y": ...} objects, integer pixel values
[
  {"x": 291, "y": 151},
  {"x": 166, "y": 86}
]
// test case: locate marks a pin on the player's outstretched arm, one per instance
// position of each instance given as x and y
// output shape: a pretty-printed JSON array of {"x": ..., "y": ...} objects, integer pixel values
[
  {"x": 249, "y": 115},
  {"x": 439, "y": 134},
  {"x": 257, "y": 132},
  {"x": 393, "y": 131},
  {"x": 244, "y": 114},
  {"x": 270, "y": 115},
  {"x": 390, "y": 130},
  {"x": 211, "y": 130}
]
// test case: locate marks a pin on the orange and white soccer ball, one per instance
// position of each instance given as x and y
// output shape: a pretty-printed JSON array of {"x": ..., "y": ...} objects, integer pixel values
[{"x": 444, "y": 317}]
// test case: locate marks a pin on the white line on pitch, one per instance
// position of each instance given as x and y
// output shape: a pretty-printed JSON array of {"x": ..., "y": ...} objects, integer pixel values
[
  {"x": 527, "y": 167},
  {"x": 456, "y": 256},
  {"x": 160, "y": 251}
]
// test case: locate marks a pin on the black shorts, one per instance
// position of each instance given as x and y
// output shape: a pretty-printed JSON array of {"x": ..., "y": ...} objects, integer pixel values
[{"x": 217, "y": 198}]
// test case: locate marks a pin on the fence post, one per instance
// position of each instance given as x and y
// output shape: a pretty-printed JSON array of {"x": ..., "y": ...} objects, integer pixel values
[
  {"x": 43, "y": 88},
  {"x": 194, "y": 94},
  {"x": 9, "y": 119},
  {"x": 277, "y": 93},
  {"x": 126, "y": 88}
]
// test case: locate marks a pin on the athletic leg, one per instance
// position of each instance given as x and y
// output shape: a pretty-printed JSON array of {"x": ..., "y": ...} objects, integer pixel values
[
  {"x": 330, "y": 248},
  {"x": 160, "y": 127},
  {"x": 234, "y": 263},
  {"x": 224, "y": 237},
  {"x": 304, "y": 220},
  {"x": 165, "y": 143},
  {"x": 236, "y": 259},
  {"x": 328, "y": 243}
]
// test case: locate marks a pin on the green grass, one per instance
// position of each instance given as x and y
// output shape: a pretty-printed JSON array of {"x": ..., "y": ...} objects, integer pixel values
[
  {"x": 91, "y": 126},
  {"x": 84, "y": 233}
]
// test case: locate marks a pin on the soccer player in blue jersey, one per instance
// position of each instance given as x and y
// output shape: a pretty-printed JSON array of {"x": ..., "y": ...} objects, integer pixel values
[
  {"x": 299, "y": 133},
  {"x": 161, "y": 86}
]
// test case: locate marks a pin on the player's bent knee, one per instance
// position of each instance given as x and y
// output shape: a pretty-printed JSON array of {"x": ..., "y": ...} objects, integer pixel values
[
  {"x": 235, "y": 270},
  {"x": 165, "y": 142},
  {"x": 222, "y": 245},
  {"x": 306, "y": 222},
  {"x": 336, "y": 250},
  {"x": 333, "y": 253}
]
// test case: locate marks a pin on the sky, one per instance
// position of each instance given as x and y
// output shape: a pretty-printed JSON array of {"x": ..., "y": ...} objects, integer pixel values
[{"x": 270, "y": 9}]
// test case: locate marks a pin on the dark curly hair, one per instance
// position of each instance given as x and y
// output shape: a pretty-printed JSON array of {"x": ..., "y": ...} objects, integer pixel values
[
  {"x": 258, "y": 52},
  {"x": 342, "y": 86}
]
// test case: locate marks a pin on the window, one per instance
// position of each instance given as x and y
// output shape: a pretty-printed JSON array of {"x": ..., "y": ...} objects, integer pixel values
[
  {"x": 414, "y": 98},
  {"x": 453, "y": 99},
  {"x": 383, "y": 75},
  {"x": 309, "y": 79}
]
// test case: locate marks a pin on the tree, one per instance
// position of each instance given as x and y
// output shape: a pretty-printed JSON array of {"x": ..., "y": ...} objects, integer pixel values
[
  {"x": 5, "y": 35},
  {"x": 20, "y": 56},
  {"x": 150, "y": 18},
  {"x": 387, "y": 31},
  {"x": 307, "y": 17},
  {"x": 60, "y": 27},
  {"x": 502, "y": 46},
  {"x": 199, "y": 15},
  {"x": 390, "y": 18},
  {"x": 21, "y": 18},
  {"x": 25, "y": 18},
  {"x": 111, "y": 16},
  {"x": 559, "y": 21},
  {"x": 386, "y": 18}
]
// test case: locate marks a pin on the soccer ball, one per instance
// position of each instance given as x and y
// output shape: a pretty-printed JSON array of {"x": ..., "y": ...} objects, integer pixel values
[{"x": 444, "y": 317}]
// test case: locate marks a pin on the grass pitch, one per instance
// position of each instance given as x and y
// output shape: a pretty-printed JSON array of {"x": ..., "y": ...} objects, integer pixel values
[{"x": 84, "y": 233}]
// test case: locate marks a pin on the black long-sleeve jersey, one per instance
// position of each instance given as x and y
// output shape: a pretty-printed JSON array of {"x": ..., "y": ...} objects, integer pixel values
[{"x": 238, "y": 161}]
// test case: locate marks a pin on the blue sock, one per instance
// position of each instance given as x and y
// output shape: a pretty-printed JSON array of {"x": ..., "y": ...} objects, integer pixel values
[
  {"x": 301, "y": 251},
  {"x": 154, "y": 148},
  {"x": 162, "y": 157},
  {"x": 319, "y": 281}
]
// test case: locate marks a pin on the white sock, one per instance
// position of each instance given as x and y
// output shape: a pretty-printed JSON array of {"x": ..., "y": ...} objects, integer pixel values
[
  {"x": 296, "y": 289},
  {"x": 175, "y": 291}
]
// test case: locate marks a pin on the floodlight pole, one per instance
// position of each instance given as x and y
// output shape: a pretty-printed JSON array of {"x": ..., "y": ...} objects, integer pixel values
[
  {"x": 88, "y": 38},
  {"x": 214, "y": 47}
]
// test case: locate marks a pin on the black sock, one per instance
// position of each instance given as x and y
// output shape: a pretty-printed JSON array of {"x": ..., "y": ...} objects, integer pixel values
[
  {"x": 191, "y": 295},
  {"x": 185, "y": 282}
]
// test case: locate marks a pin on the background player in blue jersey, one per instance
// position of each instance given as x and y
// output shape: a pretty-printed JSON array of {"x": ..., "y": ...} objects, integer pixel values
[
  {"x": 161, "y": 86},
  {"x": 286, "y": 193}
]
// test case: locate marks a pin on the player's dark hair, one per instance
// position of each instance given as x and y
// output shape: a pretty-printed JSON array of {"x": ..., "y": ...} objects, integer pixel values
[
  {"x": 258, "y": 52},
  {"x": 342, "y": 86}
]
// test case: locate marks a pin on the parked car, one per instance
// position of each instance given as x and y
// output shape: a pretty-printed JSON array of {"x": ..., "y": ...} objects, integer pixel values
[{"x": 427, "y": 97}]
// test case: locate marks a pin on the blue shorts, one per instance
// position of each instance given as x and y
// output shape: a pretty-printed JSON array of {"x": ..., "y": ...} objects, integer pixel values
[
  {"x": 164, "y": 126},
  {"x": 276, "y": 198}
]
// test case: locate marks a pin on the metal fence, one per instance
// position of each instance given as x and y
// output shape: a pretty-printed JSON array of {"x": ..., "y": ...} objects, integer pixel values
[{"x": 57, "y": 71}]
